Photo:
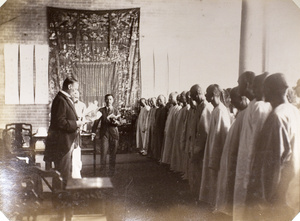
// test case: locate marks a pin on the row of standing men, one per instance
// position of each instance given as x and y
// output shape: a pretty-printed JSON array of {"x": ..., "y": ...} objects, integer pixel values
[{"x": 239, "y": 153}]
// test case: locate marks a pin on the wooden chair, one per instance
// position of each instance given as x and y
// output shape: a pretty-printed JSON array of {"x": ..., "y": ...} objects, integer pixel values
[
  {"x": 17, "y": 140},
  {"x": 21, "y": 192}
]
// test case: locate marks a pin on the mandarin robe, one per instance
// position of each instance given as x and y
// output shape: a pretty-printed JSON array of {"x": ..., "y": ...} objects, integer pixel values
[
  {"x": 275, "y": 177},
  {"x": 255, "y": 116},
  {"x": 169, "y": 134},
  {"x": 226, "y": 178},
  {"x": 218, "y": 129}
]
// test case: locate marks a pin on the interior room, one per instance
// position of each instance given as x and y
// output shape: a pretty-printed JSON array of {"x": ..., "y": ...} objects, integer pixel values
[{"x": 141, "y": 49}]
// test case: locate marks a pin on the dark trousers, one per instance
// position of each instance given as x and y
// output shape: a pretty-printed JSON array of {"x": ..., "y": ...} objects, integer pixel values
[
  {"x": 64, "y": 166},
  {"x": 109, "y": 146}
]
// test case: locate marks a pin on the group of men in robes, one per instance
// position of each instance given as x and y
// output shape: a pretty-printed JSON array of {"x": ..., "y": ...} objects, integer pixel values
[{"x": 243, "y": 163}]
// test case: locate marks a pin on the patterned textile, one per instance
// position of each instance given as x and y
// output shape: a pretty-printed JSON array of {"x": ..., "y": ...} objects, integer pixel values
[{"x": 100, "y": 49}]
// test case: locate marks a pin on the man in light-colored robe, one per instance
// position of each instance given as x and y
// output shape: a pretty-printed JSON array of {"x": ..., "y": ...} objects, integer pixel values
[
  {"x": 170, "y": 129},
  {"x": 226, "y": 178},
  {"x": 218, "y": 129},
  {"x": 140, "y": 133},
  {"x": 274, "y": 189},
  {"x": 255, "y": 116}
]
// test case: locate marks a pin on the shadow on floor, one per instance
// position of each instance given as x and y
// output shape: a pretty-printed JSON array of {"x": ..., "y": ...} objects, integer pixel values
[{"x": 145, "y": 190}]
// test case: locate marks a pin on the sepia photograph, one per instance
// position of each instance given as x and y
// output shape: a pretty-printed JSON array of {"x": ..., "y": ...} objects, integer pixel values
[{"x": 149, "y": 110}]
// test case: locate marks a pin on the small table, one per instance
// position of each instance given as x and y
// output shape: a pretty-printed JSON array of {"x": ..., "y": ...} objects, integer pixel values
[{"x": 89, "y": 191}]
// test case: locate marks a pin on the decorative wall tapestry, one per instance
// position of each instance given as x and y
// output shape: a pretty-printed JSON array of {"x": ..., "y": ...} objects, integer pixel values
[{"x": 100, "y": 49}]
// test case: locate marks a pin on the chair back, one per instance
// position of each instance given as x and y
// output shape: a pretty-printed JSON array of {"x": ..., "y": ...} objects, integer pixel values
[{"x": 17, "y": 136}]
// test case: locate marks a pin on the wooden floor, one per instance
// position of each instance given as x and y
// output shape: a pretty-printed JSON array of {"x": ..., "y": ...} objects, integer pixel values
[{"x": 143, "y": 190}]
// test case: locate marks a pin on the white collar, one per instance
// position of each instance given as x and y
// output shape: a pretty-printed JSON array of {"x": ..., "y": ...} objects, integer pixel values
[{"x": 67, "y": 95}]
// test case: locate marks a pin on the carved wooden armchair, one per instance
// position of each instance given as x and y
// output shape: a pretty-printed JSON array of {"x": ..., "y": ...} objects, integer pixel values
[{"x": 17, "y": 140}]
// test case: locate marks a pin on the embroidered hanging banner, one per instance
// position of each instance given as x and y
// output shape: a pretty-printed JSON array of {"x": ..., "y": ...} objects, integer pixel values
[{"x": 83, "y": 41}]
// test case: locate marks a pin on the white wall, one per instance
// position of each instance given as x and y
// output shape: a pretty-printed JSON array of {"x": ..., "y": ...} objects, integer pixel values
[
  {"x": 190, "y": 41},
  {"x": 283, "y": 37},
  {"x": 199, "y": 38}
]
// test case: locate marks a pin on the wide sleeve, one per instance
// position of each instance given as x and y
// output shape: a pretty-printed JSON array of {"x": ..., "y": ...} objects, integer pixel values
[
  {"x": 182, "y": 138},
  {"x": 266, "y": 166},
  {"x": 276, "y": 169},
  {"x": 219, "y": 137},
  {"x": 202, "y": 130},
  {"x": 147, "y": 122}
]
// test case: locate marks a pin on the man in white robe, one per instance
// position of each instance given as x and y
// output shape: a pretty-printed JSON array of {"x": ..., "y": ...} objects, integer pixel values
[
  {"x": 170, "y": 128},
  {"x": 226, "y": 176},
  {"x": 255, "y": 116},
  {"x": 274, "y": 189},
  {"x": 140, "y": 133},
  {"x": 218, "y": 129}
]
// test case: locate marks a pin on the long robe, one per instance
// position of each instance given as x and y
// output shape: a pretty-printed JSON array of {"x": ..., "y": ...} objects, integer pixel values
[
  {"x": 190, "y": 137},
  {"x": 149, "y": 130},
  {"x": 275, "y": 178},
  {"x": 218, "y": 129},
  {"x": 226, "y": 178},
  {"x": 183, "y": 142},
  {"x": 177, "y": 158},
  {"x": 200, "y": 133},
  {"x": 159, "y": 127},
  {"x": 169, "y": 134},
  {"x": 255, "y": 116},
  {"x": 140, "y": 133}
]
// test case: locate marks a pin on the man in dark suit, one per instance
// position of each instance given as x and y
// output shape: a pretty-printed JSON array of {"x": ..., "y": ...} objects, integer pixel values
[
  {"x": 63, "y": 131},
  {"x": 108, "y": 134}
]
